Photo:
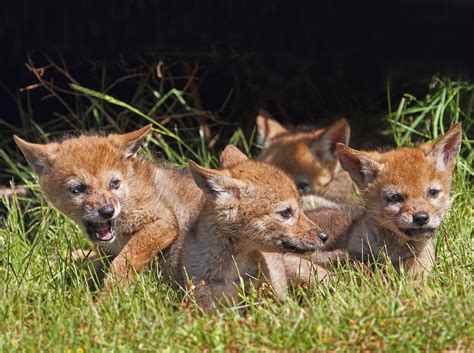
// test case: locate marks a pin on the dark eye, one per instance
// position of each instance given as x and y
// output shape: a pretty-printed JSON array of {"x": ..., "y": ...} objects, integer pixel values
[
  {"x": 78, "y": 189},
  {"x": 433, "y": 193},
  {"x": 286, "y": 213},
  {"x": 115, "y": 184},
  {"x": 394, "y": 197}
]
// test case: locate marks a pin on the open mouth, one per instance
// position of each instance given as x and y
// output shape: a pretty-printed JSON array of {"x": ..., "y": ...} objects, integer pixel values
[
  {"x": 297, "y": 247},
  {"x": 101, "y": 232},
  {"x": 419, "y": 232}
]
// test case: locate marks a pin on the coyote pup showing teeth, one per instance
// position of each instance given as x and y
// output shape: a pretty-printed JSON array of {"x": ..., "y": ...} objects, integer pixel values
[
  {"x": 282, "y": 270},
  {"x": 407, "y": 195},
  {"x": 128, "y": 207},
  {"x": 249, "y": 207}
]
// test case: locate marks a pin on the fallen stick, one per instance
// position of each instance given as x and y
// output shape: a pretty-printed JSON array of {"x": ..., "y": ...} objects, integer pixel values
[{"x": 20, "y": 190}]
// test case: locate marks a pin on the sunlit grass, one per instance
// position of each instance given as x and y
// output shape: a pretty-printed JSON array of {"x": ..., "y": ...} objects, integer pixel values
[{"x": 47, "y": 306}]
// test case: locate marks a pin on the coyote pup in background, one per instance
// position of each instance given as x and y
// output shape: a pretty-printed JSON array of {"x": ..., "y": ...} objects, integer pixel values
[
  {"x": 249, "y": 207},
  {"x": 407, "y": 195},
  {"x": 128, "y": 207},
  {"x": 309, "y": 158}
]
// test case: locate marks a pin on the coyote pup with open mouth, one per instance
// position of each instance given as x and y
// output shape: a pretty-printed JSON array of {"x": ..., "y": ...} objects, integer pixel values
[
  {"x": 407, "y": 195},
  {"x": 129, "y": 207},
  {"x": 250, "y": 208}
]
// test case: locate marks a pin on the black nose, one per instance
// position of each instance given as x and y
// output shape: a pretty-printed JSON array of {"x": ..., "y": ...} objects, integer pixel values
[
  {"x": 323, "y": 236},
  {"x": 107, "y": 211},
  {"x": 302, "y": 185},
  {"x": 421, "y": 218}
]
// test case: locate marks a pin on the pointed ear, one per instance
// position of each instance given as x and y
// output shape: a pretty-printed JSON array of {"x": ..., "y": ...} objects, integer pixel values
[
  {"x": 231, "y": 155},
  {"x": 267, "y": 128},
  {"x": 217, "y": 185},
  {"x": 444, "y": 150},
  {"x": 325, "y": 144},
  {"x": 39, "y": 157},
  {"x": 362, "y": 169},
  {"x": 132, "y": 141}
]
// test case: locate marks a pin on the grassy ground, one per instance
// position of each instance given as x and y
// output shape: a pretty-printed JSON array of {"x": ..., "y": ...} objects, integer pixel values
[{"x": 46, "y": 305}]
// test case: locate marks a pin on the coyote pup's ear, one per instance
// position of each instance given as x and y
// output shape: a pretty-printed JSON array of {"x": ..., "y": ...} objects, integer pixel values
[
  {"x": 444, "y": 150},
  {"x": 230, "y": 156},
  {"x": 362, "y": 169},
  {"x": 217, "y": 185},
  {"x": 132, "y": 141},
  {"x": 267, "y": 128},
  {"x": 39, "y": 157},
  {"x": 325, "y": 145}
]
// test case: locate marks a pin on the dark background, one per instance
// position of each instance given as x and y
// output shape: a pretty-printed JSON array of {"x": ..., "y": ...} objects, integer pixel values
[{"x": 306, "y": 62}]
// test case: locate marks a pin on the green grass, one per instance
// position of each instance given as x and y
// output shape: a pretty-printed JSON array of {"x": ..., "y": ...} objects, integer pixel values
[{"x": 47, "y": 306}]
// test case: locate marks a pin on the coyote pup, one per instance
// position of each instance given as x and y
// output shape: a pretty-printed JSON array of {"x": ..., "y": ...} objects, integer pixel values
[
  {"x": 249, "y": 207},
  {"x": 407, "y": 195},
  {"x": 281, "y": 269},
  {"x": 128, "y": 207},
  {"x": 310, "y": 159}
]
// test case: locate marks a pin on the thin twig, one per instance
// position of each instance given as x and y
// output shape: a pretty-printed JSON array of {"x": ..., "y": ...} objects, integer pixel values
[
  {"x": 19, "y": 190},
  {"x": 38, "y": 74}
]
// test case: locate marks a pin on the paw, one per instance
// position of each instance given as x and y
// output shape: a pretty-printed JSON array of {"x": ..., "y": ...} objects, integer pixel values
[
  {"x": 120, "y": 274},
  {"x": 326, "y": 258},
  {"x": 204, "y": 296},
  {"x": 80, "y": 255},
  {"x": 313, "y": 202},
  {"x": 337, "y": 255}
]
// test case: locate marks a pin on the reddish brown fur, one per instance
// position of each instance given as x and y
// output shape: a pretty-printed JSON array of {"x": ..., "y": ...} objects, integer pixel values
[
  {"x": 240, "y": 218},
  {"x": 308, "y": 157},
  {"x": 152, "y": 203},
  {"x": 411, "y": 174},
  {"x": 384, "y": 229}
]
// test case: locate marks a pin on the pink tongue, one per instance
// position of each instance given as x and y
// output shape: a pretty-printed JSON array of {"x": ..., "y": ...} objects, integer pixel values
[{"x": 103, "y": 230}]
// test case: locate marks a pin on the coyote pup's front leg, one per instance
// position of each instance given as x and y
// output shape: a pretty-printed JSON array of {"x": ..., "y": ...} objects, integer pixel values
[
  {"x": 139, "y": 251},
  {"x": 209, "y": 295}
]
